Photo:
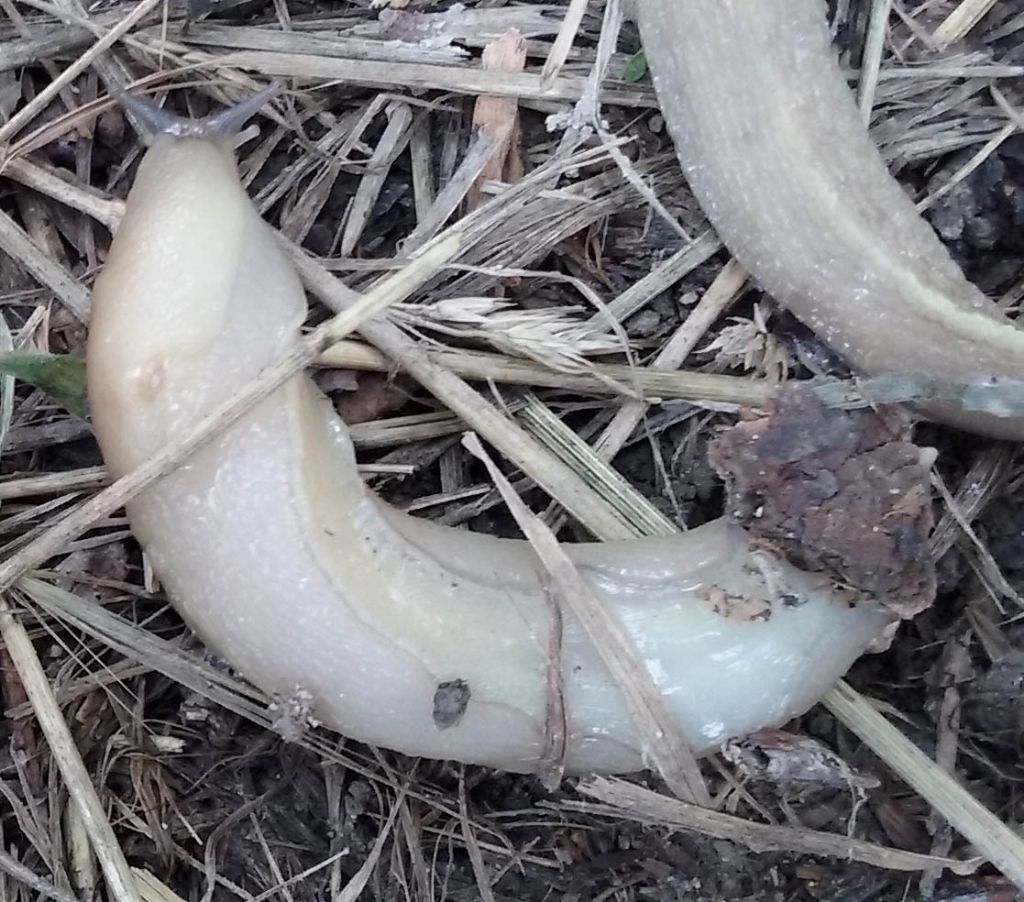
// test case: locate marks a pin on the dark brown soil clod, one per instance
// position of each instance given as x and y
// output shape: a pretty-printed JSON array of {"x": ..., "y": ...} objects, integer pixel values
[{"x": 843, "y": 492}]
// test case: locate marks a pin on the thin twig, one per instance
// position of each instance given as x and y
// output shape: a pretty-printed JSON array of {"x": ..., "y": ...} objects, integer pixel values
[
  {"x": 559, "y": 52},
  {"x": 593, "y": 378},
  {"x": 476, "y": 859},
  {"x": 659, "y": 728},
  {"x": 14, "y": 868},
  {"x": 990, "y": 836},
  {"x": 713, "y": 303},
  {"x": 557, "y": 478},
  {"x": 420, "y": 76},
  {"x": 20, "y": 247},
  {"x": 960, "y": 21},
  {"x": 871, "y": 62},
  {"x": 43, "y": 98},
  {"x": 627, "y": 800},
  {"x": 62, "y": 747}
]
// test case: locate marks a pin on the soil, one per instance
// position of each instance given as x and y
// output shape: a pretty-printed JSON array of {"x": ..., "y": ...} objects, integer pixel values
[
  {"x": 220, "y": 807},
  {"x": 834, "y": 491}
]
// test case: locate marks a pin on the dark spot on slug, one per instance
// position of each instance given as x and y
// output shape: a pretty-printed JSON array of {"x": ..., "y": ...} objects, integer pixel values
[{"x": 450, "y": 700}]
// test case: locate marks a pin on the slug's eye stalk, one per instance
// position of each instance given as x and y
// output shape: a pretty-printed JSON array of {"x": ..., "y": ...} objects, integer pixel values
[{"x": 224, "y": 124}]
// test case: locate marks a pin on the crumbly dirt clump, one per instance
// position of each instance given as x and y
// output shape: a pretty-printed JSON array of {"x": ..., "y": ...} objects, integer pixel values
[{"x": 832, "y": 490}]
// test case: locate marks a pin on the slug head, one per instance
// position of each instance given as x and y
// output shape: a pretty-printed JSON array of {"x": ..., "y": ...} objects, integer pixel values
[
  {"x": 194, "y": 300},
  {"x": 225, "y": 123}
]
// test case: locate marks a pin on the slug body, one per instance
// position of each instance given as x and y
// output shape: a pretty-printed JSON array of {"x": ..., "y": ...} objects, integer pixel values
[
  {"x": 283, "y": 562},
  {"x": 773, "y": 145}
]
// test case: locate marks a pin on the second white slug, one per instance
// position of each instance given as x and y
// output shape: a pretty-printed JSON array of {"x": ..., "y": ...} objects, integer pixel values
[
  {"x": 282, "y": 561},
  {"x": 774, "y": 148}
]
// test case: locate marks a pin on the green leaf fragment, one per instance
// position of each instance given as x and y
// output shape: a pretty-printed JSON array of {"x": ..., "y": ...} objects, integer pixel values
[
  {"x": 60, "y": 376},
  {"x": 636, "y": 67}
]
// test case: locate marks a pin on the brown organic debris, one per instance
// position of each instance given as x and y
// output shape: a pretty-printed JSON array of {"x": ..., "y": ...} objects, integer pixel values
[
  {"x": 794, "y": 762},
  {"x": 375, "y": 395},
  {"x": 498, "y": 118},
  {"x": 843, "y": 492}
]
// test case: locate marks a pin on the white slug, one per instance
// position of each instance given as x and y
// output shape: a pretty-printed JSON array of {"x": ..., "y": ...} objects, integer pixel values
[
  {"x": 774, "y": 147},
  {"x": 281, "y": 560}
]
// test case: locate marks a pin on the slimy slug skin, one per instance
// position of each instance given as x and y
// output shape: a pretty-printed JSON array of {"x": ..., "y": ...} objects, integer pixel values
[
  {"x": 273, "y": 550},
  {"x": 772, "y": 143}
]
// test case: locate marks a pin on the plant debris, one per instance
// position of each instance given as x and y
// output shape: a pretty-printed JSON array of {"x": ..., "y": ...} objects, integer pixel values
[
  {"x": 371, "y": 150},
  {"x": 843, "y": 492}
]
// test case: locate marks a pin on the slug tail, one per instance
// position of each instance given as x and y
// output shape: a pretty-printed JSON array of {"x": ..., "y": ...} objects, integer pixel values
[{"x": 225, "y": 123}]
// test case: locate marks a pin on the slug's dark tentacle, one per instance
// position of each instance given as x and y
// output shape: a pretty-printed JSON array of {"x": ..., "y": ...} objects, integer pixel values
[
  {"x": 223, "y": 124},
  {"x": 154, "y": 120},
  {"x": 229, "y": 121}
]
